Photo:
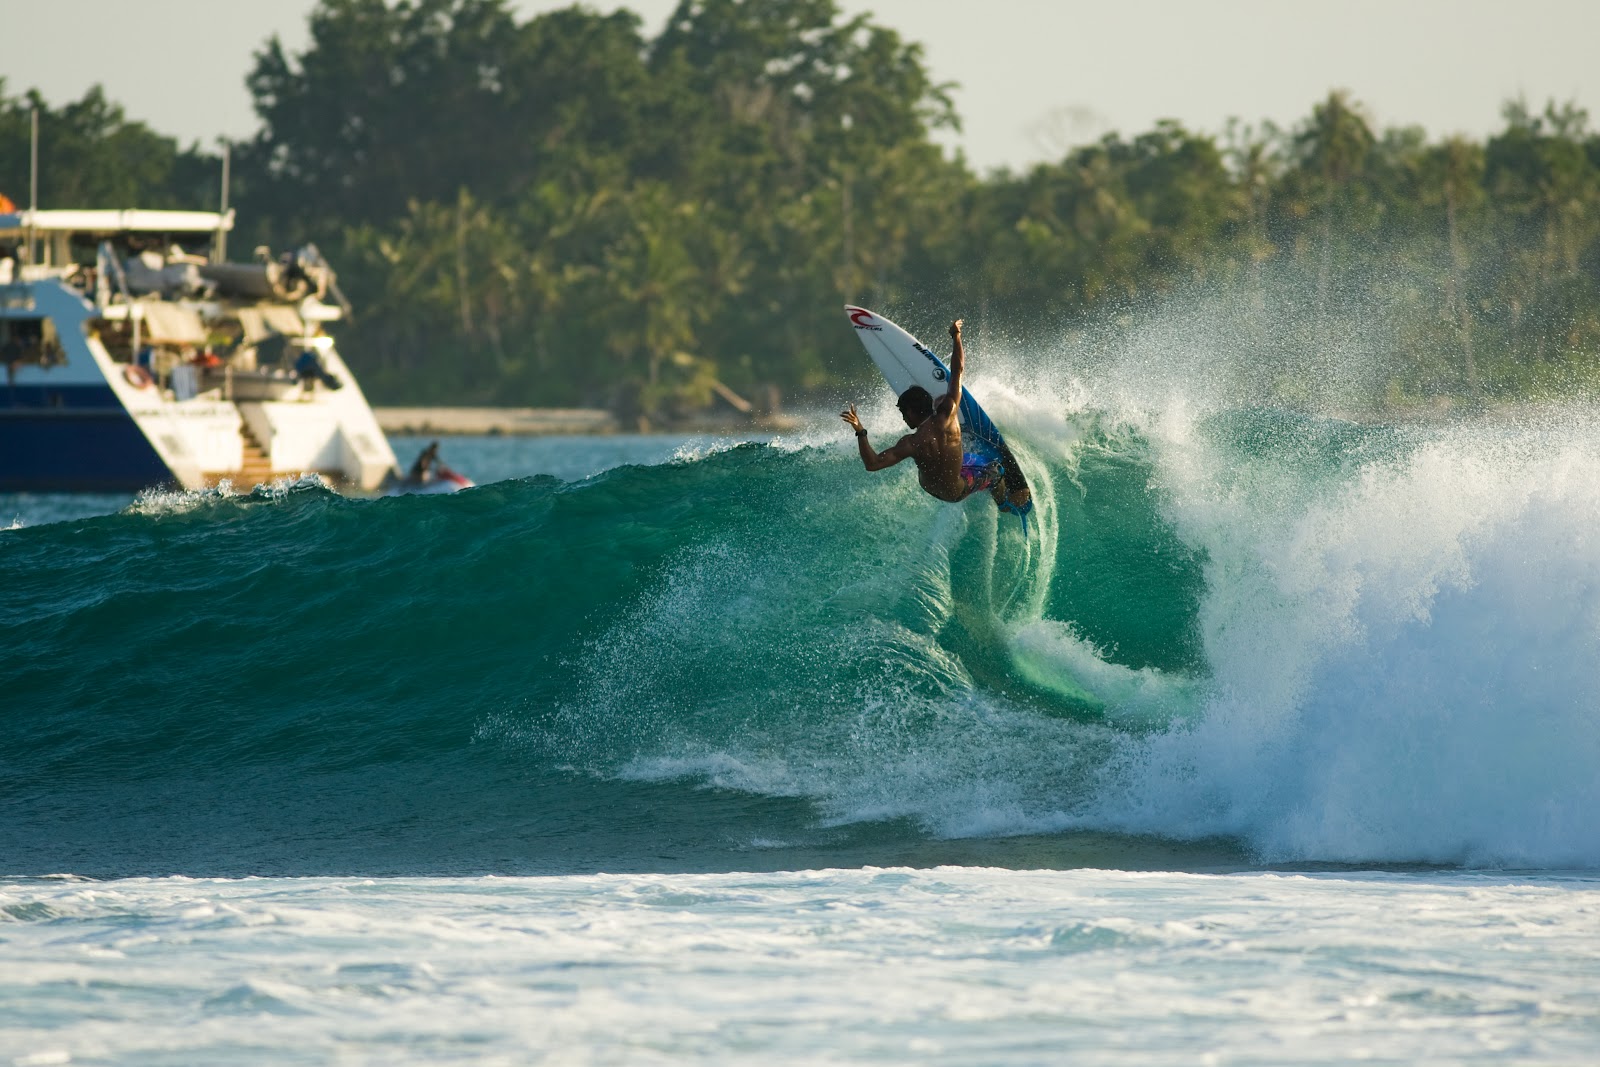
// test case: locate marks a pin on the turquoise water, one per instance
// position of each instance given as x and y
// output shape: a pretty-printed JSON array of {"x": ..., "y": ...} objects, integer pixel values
[{"x": 1276, "y": 742}]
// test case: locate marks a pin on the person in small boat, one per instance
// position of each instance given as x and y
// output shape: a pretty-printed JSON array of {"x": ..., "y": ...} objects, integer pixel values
[
  {"x": 428, "y": 469},
  {"x": 945, "y": 470},
  {"x": 422, "y": 470}
]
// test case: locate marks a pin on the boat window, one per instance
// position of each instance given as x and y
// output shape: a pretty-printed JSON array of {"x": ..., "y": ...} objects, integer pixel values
[{"x": 29, "y": 341}]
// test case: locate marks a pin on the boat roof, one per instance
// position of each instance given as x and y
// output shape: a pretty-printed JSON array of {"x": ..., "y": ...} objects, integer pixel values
[{"x": 132, "y": 220}]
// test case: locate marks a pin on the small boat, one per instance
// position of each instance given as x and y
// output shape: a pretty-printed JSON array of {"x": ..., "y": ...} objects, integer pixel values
[
  {"x": 429, "y": 476},
  {"x": 135, "y": 355},
  {"x": 446, "y": 482}
]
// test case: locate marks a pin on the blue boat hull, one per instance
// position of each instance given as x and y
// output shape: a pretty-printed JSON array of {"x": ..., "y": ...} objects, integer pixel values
[{"x": 73, "y": 439}]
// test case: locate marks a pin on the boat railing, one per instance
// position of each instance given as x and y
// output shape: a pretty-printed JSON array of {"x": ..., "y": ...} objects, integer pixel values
[{"x": 45, "y": 272}]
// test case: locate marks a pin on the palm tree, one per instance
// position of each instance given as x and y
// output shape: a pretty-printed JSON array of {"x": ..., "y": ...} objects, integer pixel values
[
  {"x": 1334, "y": 146},
  {"x": 1462, "y": 186}
]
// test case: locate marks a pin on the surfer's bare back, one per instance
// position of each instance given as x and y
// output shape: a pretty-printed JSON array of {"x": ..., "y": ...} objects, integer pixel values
[{"x": 944, "y": 470}]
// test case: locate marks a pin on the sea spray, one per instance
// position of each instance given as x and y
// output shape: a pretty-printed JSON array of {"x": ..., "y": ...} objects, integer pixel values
[{"x": 1402, "y": 655}]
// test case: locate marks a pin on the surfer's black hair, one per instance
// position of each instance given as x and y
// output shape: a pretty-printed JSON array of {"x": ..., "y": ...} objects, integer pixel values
[{"x": 916, "y": 403}]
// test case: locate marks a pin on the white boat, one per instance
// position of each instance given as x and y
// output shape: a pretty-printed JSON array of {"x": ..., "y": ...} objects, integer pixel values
[{"x": 135, "y": 356}]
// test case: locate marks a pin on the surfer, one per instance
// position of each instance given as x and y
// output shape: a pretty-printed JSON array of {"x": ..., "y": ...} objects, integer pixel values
[{"x": 945, "y": 470}]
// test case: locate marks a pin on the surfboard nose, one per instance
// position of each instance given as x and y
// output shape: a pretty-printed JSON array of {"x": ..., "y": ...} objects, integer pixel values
[{"x": 860, "y": 317}]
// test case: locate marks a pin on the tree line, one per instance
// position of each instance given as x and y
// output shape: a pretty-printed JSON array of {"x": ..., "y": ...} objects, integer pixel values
[{"x": 562, "y": 210}]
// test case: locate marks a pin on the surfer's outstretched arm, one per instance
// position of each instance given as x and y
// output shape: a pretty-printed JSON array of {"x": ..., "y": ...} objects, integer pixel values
[
  {"x": 873, "y": 460},
  {"x": 958, "y": 364}
]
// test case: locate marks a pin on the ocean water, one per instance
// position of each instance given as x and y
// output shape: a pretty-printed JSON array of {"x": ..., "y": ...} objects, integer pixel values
[{"x": 1276, "y": 742}]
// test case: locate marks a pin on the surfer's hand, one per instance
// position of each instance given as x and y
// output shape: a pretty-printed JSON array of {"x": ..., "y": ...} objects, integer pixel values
[
  {"x": 955, "y": 329},
  {"x": 849, "y": 415}
]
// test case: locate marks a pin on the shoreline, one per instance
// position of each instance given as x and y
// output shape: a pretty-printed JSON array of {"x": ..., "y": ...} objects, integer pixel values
[{"x": 550, "y": 422}]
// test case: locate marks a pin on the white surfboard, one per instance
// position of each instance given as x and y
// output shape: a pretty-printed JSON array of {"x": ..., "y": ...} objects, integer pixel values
[{"x": 904, "y": 362}]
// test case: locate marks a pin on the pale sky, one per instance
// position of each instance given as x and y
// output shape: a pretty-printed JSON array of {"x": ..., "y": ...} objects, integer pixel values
[{"x": 1036, "y": 77}]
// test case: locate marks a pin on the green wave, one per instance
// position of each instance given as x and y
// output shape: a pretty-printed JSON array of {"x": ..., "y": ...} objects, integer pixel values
[{"x": 774, "y": 622}]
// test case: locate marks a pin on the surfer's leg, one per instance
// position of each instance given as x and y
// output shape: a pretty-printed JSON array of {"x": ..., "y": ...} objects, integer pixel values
[
  {"x": 1013, "y": 488},
  {"x": 1013, "y": 491}
]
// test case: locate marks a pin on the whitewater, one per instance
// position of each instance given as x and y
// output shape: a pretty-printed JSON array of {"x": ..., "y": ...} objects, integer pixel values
[{"x": 1275, "y": 743}]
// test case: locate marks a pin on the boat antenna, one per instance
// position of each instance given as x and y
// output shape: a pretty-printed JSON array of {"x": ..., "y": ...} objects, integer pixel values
[
  {"x": 221, "y": 240},
  {"x": 33, "y": 179}
]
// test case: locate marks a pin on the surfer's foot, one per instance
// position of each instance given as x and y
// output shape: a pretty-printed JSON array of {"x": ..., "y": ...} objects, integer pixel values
[{"x": 1011, "y": 491}]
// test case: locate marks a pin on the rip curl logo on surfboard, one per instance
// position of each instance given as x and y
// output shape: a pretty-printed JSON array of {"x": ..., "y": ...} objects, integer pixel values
[{"x": 861, "y": 319}]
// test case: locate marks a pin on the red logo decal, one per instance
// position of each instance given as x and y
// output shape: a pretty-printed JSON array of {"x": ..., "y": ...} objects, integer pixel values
[{"x": 858, "y": 315}]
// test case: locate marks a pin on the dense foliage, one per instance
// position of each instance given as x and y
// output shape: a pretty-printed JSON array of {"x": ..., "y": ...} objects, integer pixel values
[
  {"x": 559, "y": 210},
  {"x": 92, "y": 155}
]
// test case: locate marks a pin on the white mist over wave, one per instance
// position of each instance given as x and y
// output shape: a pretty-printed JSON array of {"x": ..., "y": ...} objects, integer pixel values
[{"x": 1403, "y": 662}]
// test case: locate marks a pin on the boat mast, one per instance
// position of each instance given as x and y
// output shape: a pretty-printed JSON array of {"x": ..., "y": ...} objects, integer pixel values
[
  {"x": 219, "y": 243},
  {"x": 33, "y": 181}
]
